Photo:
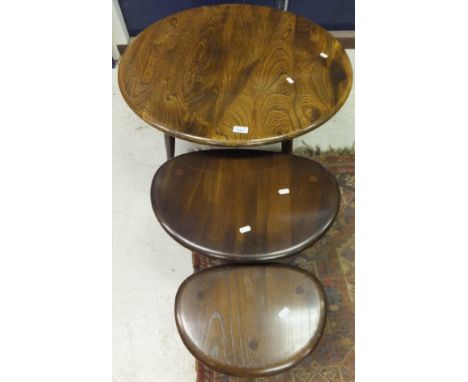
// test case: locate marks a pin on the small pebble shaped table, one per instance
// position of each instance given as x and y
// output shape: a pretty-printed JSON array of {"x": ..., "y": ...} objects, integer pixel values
[
  {"x": 251, "y": 320},
  {"x": 244, "y": 205},
  {"x": 234, "y": 75}
]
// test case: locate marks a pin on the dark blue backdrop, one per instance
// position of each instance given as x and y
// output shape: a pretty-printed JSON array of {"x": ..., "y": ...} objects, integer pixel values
[{"x": 330, "y": 14}]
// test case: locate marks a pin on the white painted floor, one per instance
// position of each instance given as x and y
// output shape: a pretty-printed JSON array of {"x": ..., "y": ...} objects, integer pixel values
[{"x": 148, "y": 266}]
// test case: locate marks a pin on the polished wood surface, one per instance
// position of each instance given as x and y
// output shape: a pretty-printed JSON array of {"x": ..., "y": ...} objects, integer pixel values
[
  {"x": 245, "y": 205},
  {"x": 201, "y": 72},
  {"x": 252, "y": 320}
]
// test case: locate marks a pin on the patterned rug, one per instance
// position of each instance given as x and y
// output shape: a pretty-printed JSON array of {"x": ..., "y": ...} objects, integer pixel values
[{"x": 331, "y": 259}]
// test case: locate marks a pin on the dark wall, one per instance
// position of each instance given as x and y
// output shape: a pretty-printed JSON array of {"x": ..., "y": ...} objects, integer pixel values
[{"x": 330, "y": 14}]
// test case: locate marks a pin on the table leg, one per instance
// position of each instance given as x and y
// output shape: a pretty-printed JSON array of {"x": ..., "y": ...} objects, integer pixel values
[
  {"x": 287, "y": 147},
  {"x": 170, "y": 146}
]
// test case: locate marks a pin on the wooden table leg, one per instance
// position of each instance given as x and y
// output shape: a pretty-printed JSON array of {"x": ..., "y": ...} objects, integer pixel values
[
  {"x": 170, "y": 146},
  {"x": 287, "y": 147}
]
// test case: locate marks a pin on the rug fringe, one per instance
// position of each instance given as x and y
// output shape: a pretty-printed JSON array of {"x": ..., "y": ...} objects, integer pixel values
[{"x": 315, "y": 151}]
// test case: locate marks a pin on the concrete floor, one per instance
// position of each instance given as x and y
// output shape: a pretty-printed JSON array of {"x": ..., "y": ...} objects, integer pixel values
[{"x": 148, "y": 266}]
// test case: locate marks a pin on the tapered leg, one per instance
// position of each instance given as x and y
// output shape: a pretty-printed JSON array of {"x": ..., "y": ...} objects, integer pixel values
[
  {"x": 287, "y": 147},
  {"x": 170, "y": 146}
]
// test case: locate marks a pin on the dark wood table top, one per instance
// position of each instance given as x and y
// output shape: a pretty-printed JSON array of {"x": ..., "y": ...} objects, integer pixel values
[
  {"x": 250, "y": 321},
  {"x": 235, "y": 75},
  {"x": 244, "y": 205}
]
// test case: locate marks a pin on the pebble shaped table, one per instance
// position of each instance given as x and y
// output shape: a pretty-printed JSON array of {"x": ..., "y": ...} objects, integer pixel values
[
  {"x": 234, "y": 75},
  {"x": 244, "y": 205},
  {"x": 251, "y": 320}
]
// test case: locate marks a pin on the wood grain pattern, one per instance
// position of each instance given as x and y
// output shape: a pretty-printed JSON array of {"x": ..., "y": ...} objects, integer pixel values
[
  {"x": 250, "y": 321},
  {"x": 197, "y": 74},
  {"x": 203, "y": 200}
]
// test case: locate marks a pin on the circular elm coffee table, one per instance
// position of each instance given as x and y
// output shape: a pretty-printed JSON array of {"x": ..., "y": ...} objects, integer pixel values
[{"x": 235, "y": 75}]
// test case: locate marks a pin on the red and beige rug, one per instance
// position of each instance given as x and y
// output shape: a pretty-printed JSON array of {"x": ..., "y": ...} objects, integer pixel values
[{"x": 331, "y": 259}]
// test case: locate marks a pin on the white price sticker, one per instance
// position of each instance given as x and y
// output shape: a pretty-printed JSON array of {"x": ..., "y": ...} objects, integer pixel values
[
  {"x": 240, "y": 129},
  {"x": 245, "y": 229},
  {"x": 284, "y": 312}
]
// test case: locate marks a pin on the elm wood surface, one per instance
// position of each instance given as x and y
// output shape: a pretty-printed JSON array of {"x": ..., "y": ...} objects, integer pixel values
[
  {"x": 198, "y": 73},
  {"x": 283, "y": 202},
  {"x": 250, "y": 320}
]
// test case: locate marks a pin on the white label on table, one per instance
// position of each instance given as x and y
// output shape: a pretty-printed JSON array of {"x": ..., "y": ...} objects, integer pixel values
[
  {"x": 240, "y": 129},
  {"x": 324, "y": 55},
  {"x": 284, "y": 312},
  {"x": 245, "y": 229},
  {"x": 290, "y": 80},
  {"x": 283, "y": 191}
]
